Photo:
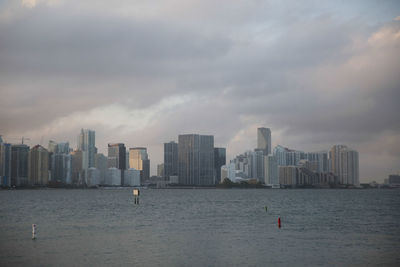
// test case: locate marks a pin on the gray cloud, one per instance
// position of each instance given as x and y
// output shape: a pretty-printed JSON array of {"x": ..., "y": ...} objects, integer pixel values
[{"x": 316, "y": 74}]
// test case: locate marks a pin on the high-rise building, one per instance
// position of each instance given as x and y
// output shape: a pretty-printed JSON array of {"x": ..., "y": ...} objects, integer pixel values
[
  {"x": 196, "y": 159},
  {"x": 118, "y": 151},
  {"x": 288, "y": 157},
  {"x": 321, "y": 158},
  {"x": 160, "y": 170},
  {"x": 61, "y": 168},
  {"x": 139, "y": 160},
  {"x": 219, "y": 161},
  {"x": 87, "y": 144},
  {"x": 170, "y": 159},
  {"x": 101, "y": 165},
  {"x": 264, "y": 140},
  {"x": 287, "y": 175},
  {"x": 38, "y": 166},
  {"x": 271, "y": 170},
  {"x": 344, "y": 164},
  {"x": 257, "y": 162},
  {"x": 77, "y": 175},
  {"x": 19, "y": 165},
  {"x": 5, "y": 164}
]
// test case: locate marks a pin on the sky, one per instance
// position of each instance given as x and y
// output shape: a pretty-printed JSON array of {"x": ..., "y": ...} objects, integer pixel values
[{"x": 317, "y": 73}]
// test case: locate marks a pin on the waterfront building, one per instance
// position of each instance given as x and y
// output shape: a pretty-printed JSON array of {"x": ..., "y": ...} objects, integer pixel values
[
  {"x": 219, "y": 161},
  {"x": 264, "y": 140},
  {"x": 19, "y": 165},
  {"x": 139, "y": 160},
  {"x": 321, "y": 158},
  {"x": 113, "y": 177},
  {"x": 101, "y": 165},
  {"x": 288, "y": 157},
  {"x": 87, "y": 144},
  {"x": 170, "y": 159},
  {"x": 38, "y": 166},
  {"x": 196, "y": 159},
  {"x": 257, "y": 164},
  {"x": 61, "y": 168},
  {"x": 5, "y": 164},
  {"x": 287, "y": 175},
  {"x": 271, "y": 170},
  {"x": 77, "y": 174},
  {"x": 344, "y": 164},
  {"x": 160, "y": 170},
  {"x": 132, "y": 177},
  {"x": 117, "y": 153},
  {"x": 93, "y": 177},
  {"x": 228, "y": 171}
]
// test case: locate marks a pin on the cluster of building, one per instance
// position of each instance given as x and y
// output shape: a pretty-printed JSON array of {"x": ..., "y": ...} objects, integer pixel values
[
  {"x": 284, "y": 167},
  {"x": 21, "y": 165},
  {"x": 192, "y": 161}
]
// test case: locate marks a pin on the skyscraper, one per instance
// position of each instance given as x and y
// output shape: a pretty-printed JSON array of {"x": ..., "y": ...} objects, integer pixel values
[
  {"x": 5, "y": 164},
  {"x": 87, "y": 144},
  {"x": 139, "y": 160},
  {"x": 118, "y": 151},
  {"x": 19, "y": 165},
  {"x": 170, "y": 159},
  {"x": 271, "y": 170},
  {"x": 38, "y": 167},
  {"x": 196, "y": 159},
  {"x": 344, "y": 164},
  {"x": 219, "y": 161},
  {"x": 264, "y": 140}
]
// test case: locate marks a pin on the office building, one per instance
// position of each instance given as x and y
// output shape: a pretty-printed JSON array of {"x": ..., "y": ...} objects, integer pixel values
[
  {"x": 38, "y": 166},
  {"x": 271, "y": 170},
  {"x": 196, "y": 159},
  {"x": 77, "y": 174},
  {"x": 87, "y": 144},
  {"x": 93, "y": 177},
  {"x": 113, "y": 177},
  {"x": 101, "y": 165},
  {"x": 19, "y": 165},
  {"x": 117, "y": 152},
  {"x": 132, "y": 177},
  {"x": 287, "y": 175},
  {"x": 264, "y": 140},
  {"x": 160, "y": 170},
  {"x": 170, "y": 160},
  {"x": 61, "y": 168},
  {"x": 219, "y": 161},
  {"x": 139, "y": 160},
  {"x": 5, "y": 164}
]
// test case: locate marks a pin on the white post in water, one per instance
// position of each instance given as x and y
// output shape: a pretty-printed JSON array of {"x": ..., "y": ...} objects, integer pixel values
[
  {"x": 33, "y": 231},
  {"x": 136, "y": 194}
]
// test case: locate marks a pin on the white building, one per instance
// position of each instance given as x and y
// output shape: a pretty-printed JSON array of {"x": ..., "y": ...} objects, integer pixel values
[
  {"x": 344, "y": 164},
  {"x": 228, "y": 171},
  {"x": 132, "y": 177},
  {"x": 113, "y": 177},
  {"x": 93, "y": 177}
]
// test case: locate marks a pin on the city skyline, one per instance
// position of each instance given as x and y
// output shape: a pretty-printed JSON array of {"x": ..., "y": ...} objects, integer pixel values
[{"x": 141, "y": 73}]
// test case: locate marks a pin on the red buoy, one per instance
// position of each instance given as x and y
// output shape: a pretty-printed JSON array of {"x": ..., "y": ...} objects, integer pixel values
[{"x": 279, "y": 222}]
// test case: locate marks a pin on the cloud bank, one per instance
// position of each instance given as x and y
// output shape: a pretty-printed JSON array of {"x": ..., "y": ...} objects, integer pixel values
[{"x": 142, "y": 72}]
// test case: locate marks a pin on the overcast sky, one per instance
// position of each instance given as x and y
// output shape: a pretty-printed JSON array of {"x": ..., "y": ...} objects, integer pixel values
[{"x": 317, "y": 73}]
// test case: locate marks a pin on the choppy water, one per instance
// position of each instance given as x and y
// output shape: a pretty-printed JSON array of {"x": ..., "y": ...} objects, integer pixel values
[{"x": 200, "y": 227}]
